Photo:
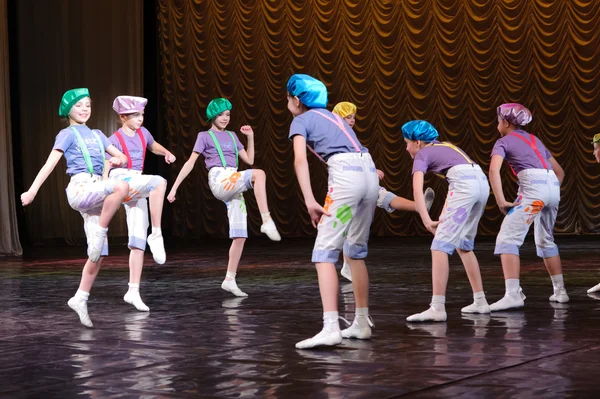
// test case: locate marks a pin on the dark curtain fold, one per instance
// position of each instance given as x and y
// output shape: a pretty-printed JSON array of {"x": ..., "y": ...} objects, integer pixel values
[
  {"x": 65, "y": 44},
  {"x": 9, "y": 231},
  {"x": 451, "y": 62}
]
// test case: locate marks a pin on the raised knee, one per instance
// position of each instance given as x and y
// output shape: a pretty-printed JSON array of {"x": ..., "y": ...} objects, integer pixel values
[
  {"x": 121, "y": 188},
  {"x": 259, "y": 174}
]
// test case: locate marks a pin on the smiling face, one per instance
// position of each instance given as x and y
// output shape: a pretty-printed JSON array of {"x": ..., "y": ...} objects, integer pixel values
[
  {"x": 222, "y": 120},
  {"x": 81, "y": 111}
]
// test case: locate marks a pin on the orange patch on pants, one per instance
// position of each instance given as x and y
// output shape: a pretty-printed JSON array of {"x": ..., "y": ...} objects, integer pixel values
[
  {"x": 535, "y": 208},
  {"x": 231, "y": 181}
]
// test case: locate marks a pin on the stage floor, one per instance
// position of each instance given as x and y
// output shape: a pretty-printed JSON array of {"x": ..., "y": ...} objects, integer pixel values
[{"x": 199, "y": 341}]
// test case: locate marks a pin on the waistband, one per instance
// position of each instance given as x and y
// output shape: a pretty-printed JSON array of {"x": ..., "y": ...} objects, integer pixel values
[
  {"x": 466, "y": 172},
  {"x": 84, "y": 177}
]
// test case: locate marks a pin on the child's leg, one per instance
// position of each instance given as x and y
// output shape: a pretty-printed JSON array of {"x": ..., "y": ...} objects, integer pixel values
[
  {"x": 136, "y": 263},
  {"x": 547, "y": 249},
  {"x": 356, "y": 247},
  {"x": 235, "y": 254},
  {"x": 79, "y": 301},
  {"x": 157, "y": 199},
  {"x": 97, "y": 237},
  {"x": 154, "y": 188},
  {"x": 259, "y": 180},
  {"x": 465, "y": 250},
  {"x": 112, "y": 203},
  {"x": 439, "y": 276}
]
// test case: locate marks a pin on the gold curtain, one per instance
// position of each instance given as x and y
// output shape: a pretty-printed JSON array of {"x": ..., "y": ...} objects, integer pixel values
[
  {"x": 451, "y": 62},
  {"x": 65, "y": 44}
]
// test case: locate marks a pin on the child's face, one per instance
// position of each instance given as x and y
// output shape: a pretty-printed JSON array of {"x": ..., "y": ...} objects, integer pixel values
[
  {"x": 350, "y": 119},
  {"x": 503, "y": 127},
  {"x": 133, "y": 121},
  {"x": 294, "y": 105},
  {"x": 597, "y": 152},
  {"x": 412, "y": 146},
  {"x": 81, "y": 111},
  {"x": 222, "y": 120}
]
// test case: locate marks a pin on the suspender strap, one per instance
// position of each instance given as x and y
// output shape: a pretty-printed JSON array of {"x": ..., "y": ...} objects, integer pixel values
[
  {"x": 533, "y": 146},
  {"x": 85, "y": 151},
  {"x": 455, "y": 148},
  {"x": 126, "y": 151},
  {"x": 220, "y": 150},
  {"x": 339, "y": 123}
]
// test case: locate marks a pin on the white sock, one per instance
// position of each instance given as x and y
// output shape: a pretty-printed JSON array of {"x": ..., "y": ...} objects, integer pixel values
[
  {"x": 512, "y": 286},
  {"x": 557, "y": 281},
  {"x": 479, "y": 298},
  {"x": 361, "y": 317},
  {"x": 266, "y": 216},
  {"x": 82, "y": 295},
  {"x": 331, "y": 321},
  {"x": 230, "y": 276},
  {"x": 157, "y": 231},
  {"x": 438, "y": 303},
  {"x": 134, "y": 287}
]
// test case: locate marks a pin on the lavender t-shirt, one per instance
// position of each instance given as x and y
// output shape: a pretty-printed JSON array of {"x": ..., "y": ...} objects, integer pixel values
[
  {"x": 134, "y": 146},
  {"x": 324, "y": 136},
  {"x": 519, "y": 154},
  {"x": 66, "y": 141},
  {"x": 206, "y": 146},
  {"x": 438, "y": 159}
]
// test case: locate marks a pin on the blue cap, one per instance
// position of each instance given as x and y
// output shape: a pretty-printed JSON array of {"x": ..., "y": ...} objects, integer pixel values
[
  {"x": 310, "y": 91},
  {"x": 419, "y": 130}
]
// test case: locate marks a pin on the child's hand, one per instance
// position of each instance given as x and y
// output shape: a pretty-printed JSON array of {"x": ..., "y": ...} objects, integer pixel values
[
  {"x": 380, "y": 174},
  {"x": 316, "y": 211},
  {"x": 27, "y": 198},
  {"x": 431, "y": 226},
  {"x": 169, "y": 158},
  {"x": 115, "y": 161},
  {"x": 246, "y": 130},
  {"x": 506, "y": 206},
  {"x": 171, "y": 197}
]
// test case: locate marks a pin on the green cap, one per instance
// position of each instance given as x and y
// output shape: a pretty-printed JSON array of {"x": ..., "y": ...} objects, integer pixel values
[
  {"x": 596, "y": 139},
  {"x": 216, "y": 106},
  {"x": 69, "y": 99}
]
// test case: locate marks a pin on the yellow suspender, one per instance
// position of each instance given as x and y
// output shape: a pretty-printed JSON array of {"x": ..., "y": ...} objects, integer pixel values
[{"x": 455, "y": 148}]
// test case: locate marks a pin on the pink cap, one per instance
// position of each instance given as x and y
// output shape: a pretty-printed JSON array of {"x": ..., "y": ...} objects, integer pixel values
[
  {"x": 129, "y": 104},
  {"x": 514, "y": 113}
]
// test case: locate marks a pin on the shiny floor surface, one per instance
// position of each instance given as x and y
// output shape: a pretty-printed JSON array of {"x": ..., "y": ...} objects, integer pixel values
[{"x": 200, "y": 341}]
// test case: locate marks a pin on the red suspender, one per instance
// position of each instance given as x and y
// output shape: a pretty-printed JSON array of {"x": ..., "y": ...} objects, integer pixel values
[
  {"x": 533, "y": 146},
  {"x": 143, "y": 140},
  {"x": 126, "y": 151}
]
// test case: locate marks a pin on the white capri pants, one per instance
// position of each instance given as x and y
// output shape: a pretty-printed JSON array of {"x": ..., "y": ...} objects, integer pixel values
[
  {"x": 468, "y": 193},
  {"x": 86, "y": 194},
  {"x": 136, "y": 204},
  {"x": 539, "y": 195},
  {"x": 353, "y": 188},
  {"x": 228, "y": 185}
]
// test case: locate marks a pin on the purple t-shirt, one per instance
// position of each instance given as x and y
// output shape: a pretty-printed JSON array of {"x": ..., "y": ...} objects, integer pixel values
[
  {"x": 206, "y": 146},
  {"x": 323, "y": 135},
  {"x": 66, "y": 141},
  {"x": 134, "y": 146},
  {"x": 438, "y": 159},
  {"x": 519, "y": 154}
]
